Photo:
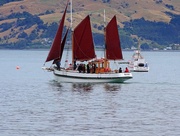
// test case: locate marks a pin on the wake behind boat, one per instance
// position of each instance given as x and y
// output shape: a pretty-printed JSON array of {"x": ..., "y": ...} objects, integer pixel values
[{"x": 85, "y": 66}]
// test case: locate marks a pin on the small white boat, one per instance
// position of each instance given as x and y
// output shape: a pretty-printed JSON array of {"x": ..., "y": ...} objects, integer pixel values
[
  {"x": 138, "y": 63},
  {"x": 91, "y": 69}
]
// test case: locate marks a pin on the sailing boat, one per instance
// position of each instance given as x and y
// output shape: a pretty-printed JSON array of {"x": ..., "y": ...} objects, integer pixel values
[
  {"x": 138, "y": 62},
  {"x": 96, "y": 70}
]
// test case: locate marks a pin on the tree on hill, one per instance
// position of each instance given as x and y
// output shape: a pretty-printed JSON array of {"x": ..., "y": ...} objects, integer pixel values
[
  {"x": 159, "y": 32},
  {"x": 2, "y": 2}
]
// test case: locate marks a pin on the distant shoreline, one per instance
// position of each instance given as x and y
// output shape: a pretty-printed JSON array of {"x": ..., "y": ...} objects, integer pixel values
[{"x": 98, "y": 49}]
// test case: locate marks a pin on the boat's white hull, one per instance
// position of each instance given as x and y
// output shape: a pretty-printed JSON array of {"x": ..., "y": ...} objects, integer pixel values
[
  {"x": 138, "y": 66},
  {"x": 139, "y": 69},
  {"x": 74, "y": 76}
]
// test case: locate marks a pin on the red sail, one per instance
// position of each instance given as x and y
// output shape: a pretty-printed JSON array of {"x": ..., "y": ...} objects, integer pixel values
[
  {"x": 112, "y": 41},
  {"x": 83, "y": 45},
  {"x": 55, "y": 50},
  {"x": 62, "y": 48}
]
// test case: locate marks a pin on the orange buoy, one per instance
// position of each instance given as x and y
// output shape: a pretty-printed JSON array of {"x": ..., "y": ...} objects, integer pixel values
[{"x": 17, "y": 67}]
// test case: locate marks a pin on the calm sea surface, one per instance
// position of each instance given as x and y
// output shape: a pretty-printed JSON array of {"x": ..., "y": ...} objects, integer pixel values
[{"x": 32, "y": 104}]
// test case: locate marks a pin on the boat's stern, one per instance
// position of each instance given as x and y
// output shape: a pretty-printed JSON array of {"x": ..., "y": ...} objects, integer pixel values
[{"x": 127, "y": 75}]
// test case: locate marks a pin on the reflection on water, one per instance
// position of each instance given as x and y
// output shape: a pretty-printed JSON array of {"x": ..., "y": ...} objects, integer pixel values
[
  {"x": 86, "y": 87},
  {"x": 55, "y": 86},
  {"x": 112, "y": 87}
]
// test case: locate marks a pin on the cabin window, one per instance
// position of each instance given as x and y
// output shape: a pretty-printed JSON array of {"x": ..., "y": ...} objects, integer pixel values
[
  {"x": 102, "y": 65},
  {"x": 141, "y": 65}
]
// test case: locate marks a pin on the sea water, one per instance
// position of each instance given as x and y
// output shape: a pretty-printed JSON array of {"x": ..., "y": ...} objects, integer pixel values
[{"x": 33, "y": 104}]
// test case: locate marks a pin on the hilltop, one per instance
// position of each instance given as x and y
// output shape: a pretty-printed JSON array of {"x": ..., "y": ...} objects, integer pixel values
[{"x": 28, "y": 22}]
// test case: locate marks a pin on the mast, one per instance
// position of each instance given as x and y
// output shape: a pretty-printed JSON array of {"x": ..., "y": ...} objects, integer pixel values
[
  {"x": 138, "y": 49},
  {"x": 105, "y": 34},
  {"x": 104, "y": 17},
  {"x": 72, "y": 41},
  {"x": 71, "y": 13}
]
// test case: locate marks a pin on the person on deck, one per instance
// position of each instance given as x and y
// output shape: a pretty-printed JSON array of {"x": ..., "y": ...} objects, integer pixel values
[
  {"x": 120, "y": 70},
  {"x": 74, "y": 66},
  {"x": 94, "y": 68},
  {"x": 88, "y": 69},
  {"x": 126, "y": 70},
  {"x": 83, "y": 68},
  {"x": 80, "y": 68},
  {"x": 58, "y": 63}
]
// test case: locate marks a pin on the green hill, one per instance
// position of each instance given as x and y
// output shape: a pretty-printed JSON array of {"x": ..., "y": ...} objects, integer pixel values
[{"x": 33, "y": 24}]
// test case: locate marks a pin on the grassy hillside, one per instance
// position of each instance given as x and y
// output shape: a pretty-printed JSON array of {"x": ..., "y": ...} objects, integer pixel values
[
  {"x": 51, "y": 11},
  {"x": 125, "y": 9}
]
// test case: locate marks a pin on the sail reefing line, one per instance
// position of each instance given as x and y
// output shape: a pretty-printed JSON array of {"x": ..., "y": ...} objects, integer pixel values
[{"x": 56, "y": 48}]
